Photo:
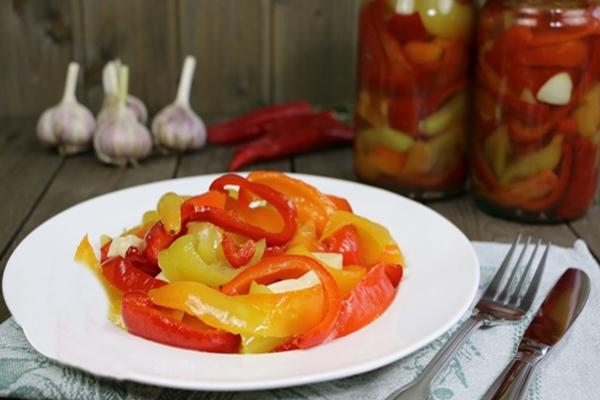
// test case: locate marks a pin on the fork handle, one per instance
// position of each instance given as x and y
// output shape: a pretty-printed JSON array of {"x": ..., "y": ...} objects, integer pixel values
[
  {"x": 419, "y": 388},
  {"x": 512, "y": 383}
]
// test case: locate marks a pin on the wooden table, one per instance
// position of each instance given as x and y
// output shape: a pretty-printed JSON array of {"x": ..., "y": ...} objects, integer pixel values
[{"x": 37, "y": 184}]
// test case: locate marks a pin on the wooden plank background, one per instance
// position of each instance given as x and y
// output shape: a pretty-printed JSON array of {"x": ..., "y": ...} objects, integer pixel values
[{"x": 250, "y": 52}]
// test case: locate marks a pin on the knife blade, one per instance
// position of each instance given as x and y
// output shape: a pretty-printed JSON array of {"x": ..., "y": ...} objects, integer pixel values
[{"x": 552, "y": 321}]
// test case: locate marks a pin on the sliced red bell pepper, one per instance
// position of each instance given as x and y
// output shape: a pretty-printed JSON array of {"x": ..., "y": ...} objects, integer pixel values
[
  {"x": 212, "y": 198},
  {"x": 229, "y": 221},
  {"x": 121, "y": 274},
  {"x": 547, "y": 202},
  {"x": 405, "y": 112},
  {"x": 406, "y": 28},
  {"x": 145, "y": 319},
  {"x": 550, "y": 36},
  {"x": 341, "y": 203},
  {"x": 583, "y": 181},
  {"x": 157, "y": 239},
  {"x": 252, "y": 125},
  {"x": 271, "y": 269},
  {"x": 570, "y": 54},
  {"x": 104, "y": 251},
  {"x": 511, "y": 42},
  {"x": 138, "y": 259},
  {"x": 346, "y": 241},
  {"x": 437, "y": 98},
  {"x": 237, "y": 255},
  {"x": 369, "y": 298}
]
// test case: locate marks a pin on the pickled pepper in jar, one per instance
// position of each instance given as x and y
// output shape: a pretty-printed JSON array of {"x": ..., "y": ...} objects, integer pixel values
[
  {"x": 412, "y": 104},
  {"x": 537, "y": 117}
]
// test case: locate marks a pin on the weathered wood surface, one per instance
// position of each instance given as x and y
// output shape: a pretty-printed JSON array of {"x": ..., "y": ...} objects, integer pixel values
[{"x": 250, "y": 53}]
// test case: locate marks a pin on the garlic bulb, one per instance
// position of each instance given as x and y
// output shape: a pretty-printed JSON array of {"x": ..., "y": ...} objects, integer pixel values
[
  {"x": 121, "y": 139},
  {"x": 68, "y": 125},
  {"x": 111, "y": 89},
  {"x": 177, "y": 127}
]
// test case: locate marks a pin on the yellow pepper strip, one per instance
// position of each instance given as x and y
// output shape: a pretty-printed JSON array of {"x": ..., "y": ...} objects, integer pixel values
[
  {"x": 209, "y": 241},
  {"x": 273, "y": 315},
  {"x": 306, "y": 236},
  {"x": 452, "y": 112},
  {"x": 386, "y": 137},
  {"x": 373, "y": 109},
  {"x": 182, "y": 262},
  {"x": 260, "y": 344},
  {"x": 392, "y": 255},
  {"x": 587, "y": 114},
  {"x": 150, "y": 217},
  {"x": 446, "y": 19},
  {"x": 373, "y": 237},
  {"x": 85, "y": 255},
  {"x": 345, "y": 278},
  {"x": 169, "y": 212},
  {"x": 545, "y": 159},
  {"x": 496, "y": 149}
]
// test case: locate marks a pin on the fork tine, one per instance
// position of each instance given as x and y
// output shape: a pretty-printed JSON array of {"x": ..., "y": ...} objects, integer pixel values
[
  {"x": 492, "y": 290},
  {"x": 514, "y": 298},
  {"x": 535, "y": 282},
  {"x": 505, "y": 292}
]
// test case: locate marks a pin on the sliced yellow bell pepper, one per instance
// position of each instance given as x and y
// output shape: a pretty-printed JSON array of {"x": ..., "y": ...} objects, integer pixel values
[
  {"x": 306, "y": 236},
  {"x": 169, "y": 212},
  {"x": 373, "y": 237},
  {"x": 373, "y": 109},
  {"x": 182, "y": 262},
  {"x": 272, "y": 315},
  {"x": 449, "y": 114},
  {"x": 587, "y": 114},
  {"x": 446, "y": 19},
  {"x": 386, "y": 137},
  {"x": 544, "y": 159},
  {"x": 496, "y": 149}
]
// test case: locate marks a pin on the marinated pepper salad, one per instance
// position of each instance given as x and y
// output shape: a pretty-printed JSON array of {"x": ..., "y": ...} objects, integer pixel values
[{"x": 254, "y": 265}]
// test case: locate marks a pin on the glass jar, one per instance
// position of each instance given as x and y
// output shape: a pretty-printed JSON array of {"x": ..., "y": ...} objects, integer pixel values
[
  {"x": 411, "y": 114},
  {"x": 535, "y": 147}
]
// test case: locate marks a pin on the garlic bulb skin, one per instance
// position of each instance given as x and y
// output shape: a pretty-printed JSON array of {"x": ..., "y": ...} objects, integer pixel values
[
  {"x": 120, "y": 139},
  {"x": 69, "y": 126},
  {"x": 177, "y": 127},
  {"x": 111, "y": 89}
]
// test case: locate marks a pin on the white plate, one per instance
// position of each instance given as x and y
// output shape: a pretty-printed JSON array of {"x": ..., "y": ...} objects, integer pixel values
[{"x": 62, "y": 308}]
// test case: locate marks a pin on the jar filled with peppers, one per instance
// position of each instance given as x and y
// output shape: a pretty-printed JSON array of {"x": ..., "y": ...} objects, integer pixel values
[
  {"x": 535, "y": 147},
  {"x": 412, "y": 104}
]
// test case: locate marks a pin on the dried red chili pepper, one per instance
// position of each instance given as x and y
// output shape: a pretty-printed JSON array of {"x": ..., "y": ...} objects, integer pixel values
[
  {"x": 286, "y": 138},
  {"x": 251, "y": 125}
]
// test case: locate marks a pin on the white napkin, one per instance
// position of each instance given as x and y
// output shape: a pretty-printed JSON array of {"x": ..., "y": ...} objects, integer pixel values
[{"x": 572, "y": 370}]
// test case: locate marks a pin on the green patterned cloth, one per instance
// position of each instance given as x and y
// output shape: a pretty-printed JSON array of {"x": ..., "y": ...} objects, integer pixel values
[{"x": 571, "y": 371}]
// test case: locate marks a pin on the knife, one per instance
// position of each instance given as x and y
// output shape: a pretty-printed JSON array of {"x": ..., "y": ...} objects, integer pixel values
[{"x": 553, "y": 319}]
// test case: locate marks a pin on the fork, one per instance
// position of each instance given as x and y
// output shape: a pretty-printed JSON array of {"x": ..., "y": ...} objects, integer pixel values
[{"x": 494, "y": 308}]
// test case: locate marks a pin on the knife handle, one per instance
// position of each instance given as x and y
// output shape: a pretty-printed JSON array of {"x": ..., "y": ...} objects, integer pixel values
[{"x": 512, "y": 383}]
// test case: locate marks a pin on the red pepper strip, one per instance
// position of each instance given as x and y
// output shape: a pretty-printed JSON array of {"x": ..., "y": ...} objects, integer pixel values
[
  {"x": 583, "y": 182},
  {"x": 211, "y": 198},
  {"x": 438, "y": 98},
  {"x": 157, "y": 239},
  {"x": 237, "y": 255},
  {"x": 511, "y": 42},
  {"x": 144, "y": 318},
  {"x": 139, "y": 260},
  {"x": 231, "y": 222},
  {"x": 405, "y": 113},
  {"x": 406, "y": 28},
  {"x": 553, "y": 36},
  {"x": 532, "y": 113},
  {"x": 454, "y": 64},
  {"x": 566, "y": 55},
  {"x": 251, "y": 125},
  {"x": 346, "y": 241},
  {"x": 340, "y": 203},
  {"x": 272, "y": 269},
  {"x": 545, "y": 203},
  {"x": 104, "y": 251},
  {"x": 121, "y": 274},
  {"x": 369, "y": 298},
  {"x": 321, "y": 132}
]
